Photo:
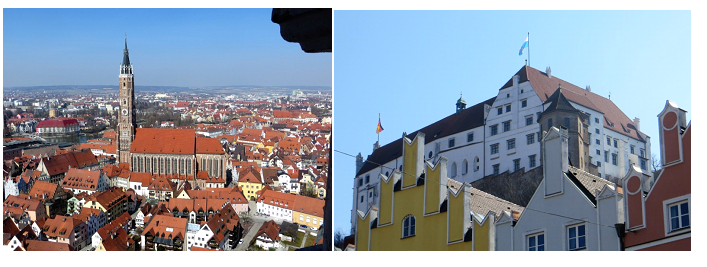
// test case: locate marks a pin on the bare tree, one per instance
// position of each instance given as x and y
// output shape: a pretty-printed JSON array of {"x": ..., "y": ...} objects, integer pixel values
[
  {"x": 655, "y": 162},
  {"x": 339, "y": 239}
]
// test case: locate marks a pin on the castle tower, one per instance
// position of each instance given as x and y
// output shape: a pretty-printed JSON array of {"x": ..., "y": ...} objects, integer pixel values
[
  {"x": 560, "y": 113},
  {"x": 126, "y": 97}
]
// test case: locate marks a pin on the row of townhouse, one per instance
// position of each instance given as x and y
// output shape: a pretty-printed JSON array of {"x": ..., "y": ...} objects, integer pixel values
[
  {"x": 502, "y": 134},
  {"x": 571, "y": 209},
  {"x": 291, "y": 208}
]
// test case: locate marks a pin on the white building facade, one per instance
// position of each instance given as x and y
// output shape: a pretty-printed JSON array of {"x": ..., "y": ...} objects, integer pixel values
[{"x": 502, "y": 134}]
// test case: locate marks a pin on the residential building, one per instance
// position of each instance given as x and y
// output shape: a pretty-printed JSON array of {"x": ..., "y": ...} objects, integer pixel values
[
  {"x": 250, "y": 182},
  {"x": 571, "y": 209},
  {"x": 113, "y": 202},
  {"x": 268, "y": 236},
  {"x": 659, "y": 216},
  {"x": 78, "y": 181},
  {"x": 58, "y": 126},
  {"x": 164, "y": 232},
  {"x": 63, "y": 229}
]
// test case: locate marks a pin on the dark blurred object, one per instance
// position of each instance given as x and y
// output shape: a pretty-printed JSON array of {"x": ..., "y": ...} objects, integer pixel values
[{"x": 310, "y": 27}]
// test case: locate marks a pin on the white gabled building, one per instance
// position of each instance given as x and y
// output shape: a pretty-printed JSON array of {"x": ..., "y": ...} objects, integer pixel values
[
  {"x": 502, "y": 134},
  {"x": 570, "y": 210}
]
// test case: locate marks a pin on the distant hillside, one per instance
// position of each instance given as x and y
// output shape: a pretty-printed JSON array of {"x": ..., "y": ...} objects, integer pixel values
[{"x": 113, "y": 89}]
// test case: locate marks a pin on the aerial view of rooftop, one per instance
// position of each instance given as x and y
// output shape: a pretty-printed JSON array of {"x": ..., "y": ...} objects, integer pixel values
[{"x": 167, "y": 129}]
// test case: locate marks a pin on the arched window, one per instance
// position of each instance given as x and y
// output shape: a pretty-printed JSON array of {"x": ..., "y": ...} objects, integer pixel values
[
  {"x": 453, "y": 170},
  {"x": 408, "y": 226},
  {"x": 465, "y": 167},
  {"x": 476, "y": 164}
]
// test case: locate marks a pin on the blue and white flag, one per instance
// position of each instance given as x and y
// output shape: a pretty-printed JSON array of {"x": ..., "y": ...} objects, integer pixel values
[{"x": 525, "y": 44}]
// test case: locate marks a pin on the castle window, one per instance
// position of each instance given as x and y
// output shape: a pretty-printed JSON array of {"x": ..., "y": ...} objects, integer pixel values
[
  {"x": 616, "y": 144},
  {"x": 506, "y": 126},
  {"x": 453, "y": 171},
  {"x": 508, "y": 108},
  {"x": 531, "y": 160},
  {"x": 496, "y": 169},
  {"x": 465, "y": 167},
  {"x": 596, "y": 130},
  {"x": 529, "y": 120},
  {"x": 598, "y": 152},
  {"x": 408, "y": 226},
  {"x": 523, "y": 103},
  {"x": 499, "y": 110},
  {"x": 494, "y": 129},
  {"x": 531, "y": 138},
  {"x": 633, "y": 150},
  {"x": 470, "y": 137},
  {"x": 598, "y": 142},
  {"x": 494, "y": 149},
  {"x": 511, "y": 143},
  {"x": 451, "y": 142},
  {"x": 516, "y": 165},
  {"x": 614, "y": 159}
]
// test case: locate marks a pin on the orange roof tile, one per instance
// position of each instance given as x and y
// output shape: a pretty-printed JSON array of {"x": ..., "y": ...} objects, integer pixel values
[
  {"x": 164, "y": 141},
  {"x": 209, "y": 146},
  {"x": 81, "y": 179}
]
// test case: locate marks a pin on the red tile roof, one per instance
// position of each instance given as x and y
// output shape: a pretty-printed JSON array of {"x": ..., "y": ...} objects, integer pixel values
[
  {"x": 545, "y": 86},
  {"x": 209, "y": 146},
  {"x": 57, "y": 123},
  {"x": 81, "y": 179},
  {"x": 249, "y": 175},
  {"x": 269, "y": 229},
  {"x": 35, "y": 245},
  {"x": 40, "y": 188},
  {"x": 60, "y": 226},
  {"x": 167, "y": 225},
  {"x": 164, "y": 141}
]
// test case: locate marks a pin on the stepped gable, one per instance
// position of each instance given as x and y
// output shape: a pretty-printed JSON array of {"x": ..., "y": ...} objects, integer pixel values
[
  {"x": 209, "y": 146},
  {"x": 164, "y": 141},
  {"x": 545, "y": 86},
  {"x": 470, "y": 118}
]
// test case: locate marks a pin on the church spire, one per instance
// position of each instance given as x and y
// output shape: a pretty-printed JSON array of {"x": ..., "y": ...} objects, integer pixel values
[{"x": 126, "y": 59}]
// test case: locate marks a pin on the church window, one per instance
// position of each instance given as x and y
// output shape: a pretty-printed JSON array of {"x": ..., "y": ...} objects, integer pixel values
[{"x": 408, "y": 226}]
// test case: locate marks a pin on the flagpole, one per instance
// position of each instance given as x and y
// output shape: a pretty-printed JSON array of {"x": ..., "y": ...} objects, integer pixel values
[
  {"x": 528, "y": 49},
  {"x": 379, "y": 134}
]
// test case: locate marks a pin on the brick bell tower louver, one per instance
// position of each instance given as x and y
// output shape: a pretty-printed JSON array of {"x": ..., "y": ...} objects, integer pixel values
[{"x": 126, "y": 119}]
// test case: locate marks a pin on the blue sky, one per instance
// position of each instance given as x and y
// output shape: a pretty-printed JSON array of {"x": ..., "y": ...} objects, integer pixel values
[
  {"x": 427, "y": 58},
  {"x": 170, "y": 47}
]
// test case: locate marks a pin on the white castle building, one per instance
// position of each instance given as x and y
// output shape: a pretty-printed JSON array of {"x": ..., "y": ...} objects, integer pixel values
[{"x": 503, "y": 134}]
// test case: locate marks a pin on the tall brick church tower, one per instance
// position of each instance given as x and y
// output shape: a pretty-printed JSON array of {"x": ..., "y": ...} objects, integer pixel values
[{"x": 126, "y": 119}]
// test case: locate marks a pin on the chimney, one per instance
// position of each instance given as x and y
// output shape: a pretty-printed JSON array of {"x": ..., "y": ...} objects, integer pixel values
[
  {"x": 516, "y": 78},
  {"x": 376, "y": 146},
  {"x": 359, "y": 162},
  {"x": 555, "y": 159},
  {"x": 548, "y": 71},
  {"x": 589, "y": 88},
  {"x": 637, "y": 123}
]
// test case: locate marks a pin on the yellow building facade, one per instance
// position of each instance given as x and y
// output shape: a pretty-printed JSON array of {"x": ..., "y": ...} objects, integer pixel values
[{"x": 420, "y": 209}]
